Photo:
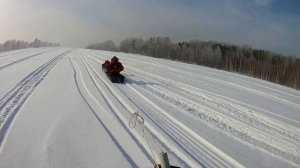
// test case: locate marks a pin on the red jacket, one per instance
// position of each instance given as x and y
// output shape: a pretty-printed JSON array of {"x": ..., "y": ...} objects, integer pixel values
[{"x": 115, "y": 67}]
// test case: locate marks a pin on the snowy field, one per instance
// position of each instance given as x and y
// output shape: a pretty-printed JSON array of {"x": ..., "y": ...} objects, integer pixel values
[{"x": 58, "y": 109}]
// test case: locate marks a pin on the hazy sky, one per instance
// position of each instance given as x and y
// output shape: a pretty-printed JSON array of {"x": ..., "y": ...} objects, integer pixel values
[{"x": 266, "y": 24}]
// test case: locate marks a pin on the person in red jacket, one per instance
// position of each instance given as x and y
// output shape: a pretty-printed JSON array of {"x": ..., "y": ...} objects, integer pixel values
[{"x": 115, "y": 67}]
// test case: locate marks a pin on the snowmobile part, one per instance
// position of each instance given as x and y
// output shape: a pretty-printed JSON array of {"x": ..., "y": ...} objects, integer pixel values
[{"x": 164, "y": 160}]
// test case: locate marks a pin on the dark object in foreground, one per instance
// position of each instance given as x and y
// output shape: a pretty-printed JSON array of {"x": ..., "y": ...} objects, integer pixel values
[
  {"x": 116, "y": 78},
  {"x": 159, "y": 166}
]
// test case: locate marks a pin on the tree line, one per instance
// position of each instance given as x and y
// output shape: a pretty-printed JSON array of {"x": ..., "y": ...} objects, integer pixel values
[
  {"x": 263, "y": 64},
  {"x": 20, "y": 44}
]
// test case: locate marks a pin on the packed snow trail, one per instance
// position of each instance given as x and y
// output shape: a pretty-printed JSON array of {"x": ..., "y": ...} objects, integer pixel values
[
  {"x": 269, "y": 135},
  {"x": 213, "y": 159},
  {"x": 102, "y": 123},
  {"x": 58, "y": 109},
  {"x": 197, "y": 78},
  {"x": 72, "y": 130},
  {"x": 22, "y": 59},
  {"x": 11, "y": 75},
  {"x": 114, "y": 108},
  {"x": 13, "y": 100}
]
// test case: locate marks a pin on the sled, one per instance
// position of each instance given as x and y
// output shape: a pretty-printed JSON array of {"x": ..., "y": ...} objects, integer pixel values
[{"x": 116, "y": 78}]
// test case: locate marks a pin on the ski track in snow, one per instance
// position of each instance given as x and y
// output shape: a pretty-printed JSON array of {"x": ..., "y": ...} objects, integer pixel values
[
  {"x": 193, "y": 75},
  {"x": 11, "y": 57},
  {"x": 244, "y": 114},
  {"x": 198, "y": 77},
  {"x": 152, "y": 95},
  {"x": 117, "y": 113},
  {"x": 230, "y": 75},
  {"x": 12, "y": 53},
  {"x": 274, "y": 143},
  {"x": 196, "y": 90},
  {"x": 125, "y": 154},
  {"x": 190, "y": 145},
  {"x": 247, "y": 126},
  {"x": 189, "y": 141},
  {"x": 26, "y": 58},
  {"x": 14, "y": 99},
  {"x": 136, "y": 134},
  {"x": 126, "y": 104},
  {"x": 120, "y": 117}
]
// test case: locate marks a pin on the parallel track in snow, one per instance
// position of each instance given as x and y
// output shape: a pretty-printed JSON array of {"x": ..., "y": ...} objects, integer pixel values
[
  {"x": 267, "y": 134},
  {"x": 191, "y": 145},
  {"x": 199, "y": 93},
  {"x": 10, "y": 57},
  {"x": 11, "y": 53},
  {"x": 106, "y": 128},
  {"x": 117, "y": 113},
  {"x": 14, "y": 99},
  {"x": 23, "y": 59},
  {"x": 198, "y": 76},
  {"x": 235, "y": 111}
]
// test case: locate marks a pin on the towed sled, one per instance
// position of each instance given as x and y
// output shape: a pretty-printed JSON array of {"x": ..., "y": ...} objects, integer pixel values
[
  {"x": 113, "y": 69},
  {"x": 114, "y": 78}
]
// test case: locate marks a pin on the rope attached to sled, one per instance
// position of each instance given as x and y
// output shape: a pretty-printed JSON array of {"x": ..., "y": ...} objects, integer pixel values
[{"x": 137, "y": 119}]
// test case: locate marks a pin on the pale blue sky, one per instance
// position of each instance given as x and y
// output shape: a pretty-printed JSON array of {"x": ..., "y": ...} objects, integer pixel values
[{"x": 265, "y": 24}]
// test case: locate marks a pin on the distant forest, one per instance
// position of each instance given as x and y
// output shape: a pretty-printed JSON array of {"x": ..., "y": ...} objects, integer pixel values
[
  {"x": 19, "y": 44},
  {"x": 262, "y": 64}
]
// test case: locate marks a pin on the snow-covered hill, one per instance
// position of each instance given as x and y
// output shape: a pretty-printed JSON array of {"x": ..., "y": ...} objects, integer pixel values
[{"x": 58, "y": 109}]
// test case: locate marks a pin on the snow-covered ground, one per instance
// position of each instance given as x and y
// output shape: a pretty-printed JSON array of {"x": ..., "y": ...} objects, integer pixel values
[{"x": 58, "y": 109}]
